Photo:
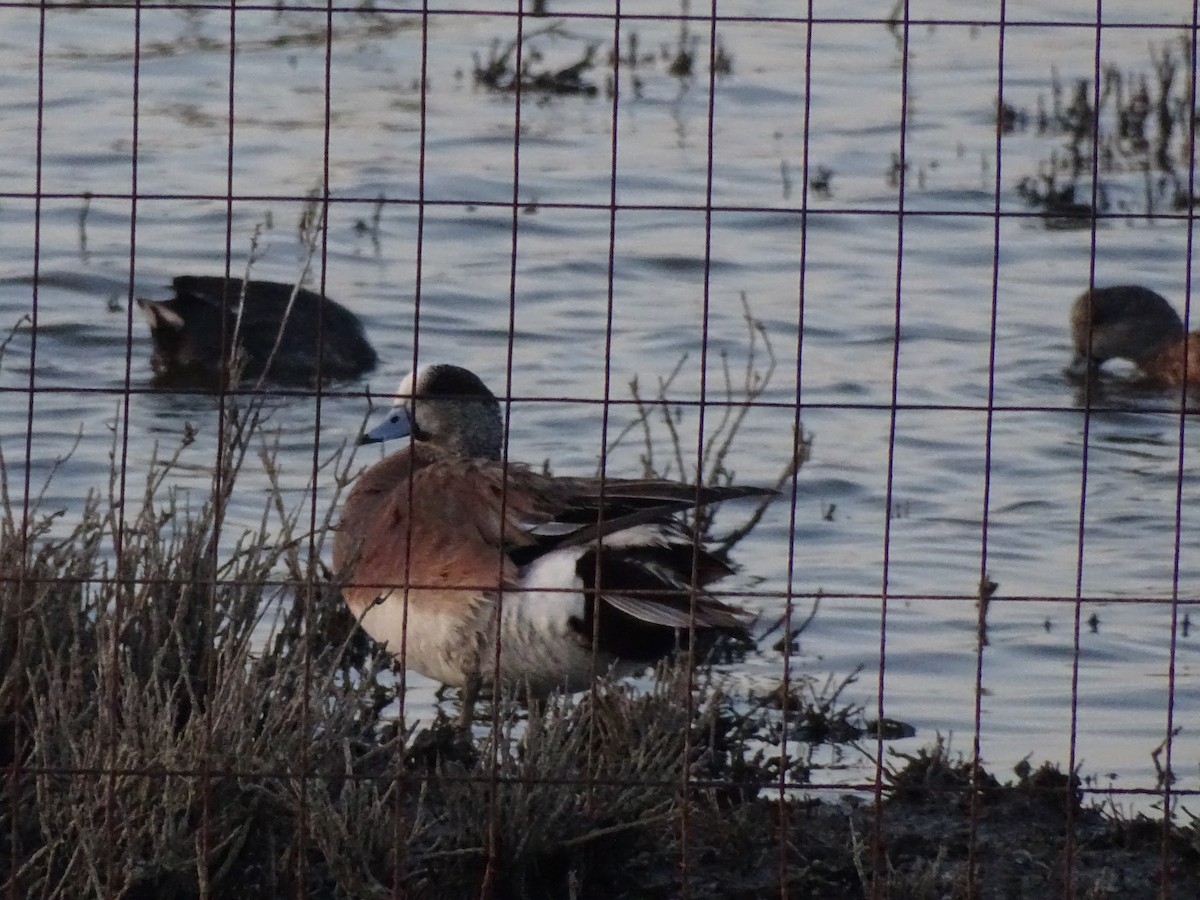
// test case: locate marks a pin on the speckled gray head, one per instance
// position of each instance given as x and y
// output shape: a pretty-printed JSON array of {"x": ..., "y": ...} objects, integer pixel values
[{"x": 447, "y": 406}]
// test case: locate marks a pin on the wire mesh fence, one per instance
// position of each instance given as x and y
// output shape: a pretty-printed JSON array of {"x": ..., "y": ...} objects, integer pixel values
[{"x": 791, "y": 494}]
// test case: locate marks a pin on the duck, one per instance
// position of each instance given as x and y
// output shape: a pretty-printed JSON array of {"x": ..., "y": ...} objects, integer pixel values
[
  {"x": 1137, "y": 324},
  {"x": 316, "y": 339},
  {"x": 445, "y": 547}
]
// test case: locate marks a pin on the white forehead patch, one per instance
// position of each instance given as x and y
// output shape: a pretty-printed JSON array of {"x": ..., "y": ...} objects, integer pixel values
[{"x": 406, "y": 389}]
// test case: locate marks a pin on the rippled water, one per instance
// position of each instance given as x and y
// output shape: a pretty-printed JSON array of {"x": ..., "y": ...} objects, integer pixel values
[{"x": 839, "y": 253}]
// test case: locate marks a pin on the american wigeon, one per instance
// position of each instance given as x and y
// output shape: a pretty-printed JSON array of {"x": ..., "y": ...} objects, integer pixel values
[
  {"x": 195, "y": 331},
  {"x": 1134, "y": 323},
  {"x": 572, "y": 575}
]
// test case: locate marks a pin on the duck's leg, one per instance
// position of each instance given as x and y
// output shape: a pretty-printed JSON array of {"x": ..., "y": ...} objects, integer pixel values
[
  {"x": 474, "y": 661},
  {"x": 470, "y": 694}
]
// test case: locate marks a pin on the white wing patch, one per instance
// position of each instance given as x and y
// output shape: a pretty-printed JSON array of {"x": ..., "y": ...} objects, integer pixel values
[{"x": 551, "y": 590}]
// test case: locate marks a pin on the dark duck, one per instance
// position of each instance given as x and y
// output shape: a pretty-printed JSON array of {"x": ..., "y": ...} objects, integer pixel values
[{"x": 214, "y": 327}]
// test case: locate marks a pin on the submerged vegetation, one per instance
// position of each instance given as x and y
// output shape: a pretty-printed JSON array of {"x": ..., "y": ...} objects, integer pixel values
[
  {"x": 1133, "y": 128},
  {"x": 522, "y": 62}
]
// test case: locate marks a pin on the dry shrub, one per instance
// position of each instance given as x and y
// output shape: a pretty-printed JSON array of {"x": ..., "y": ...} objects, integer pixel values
[{"x": 152, "y": 745}]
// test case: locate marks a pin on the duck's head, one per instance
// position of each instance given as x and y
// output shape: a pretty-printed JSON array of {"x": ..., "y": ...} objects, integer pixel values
[
  {"x": 1123, "y": 322},
  {"x": 447, "y": 406}
]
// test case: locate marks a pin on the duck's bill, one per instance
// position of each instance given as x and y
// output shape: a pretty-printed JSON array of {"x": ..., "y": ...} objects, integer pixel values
[{"x": 398, "y": 424}]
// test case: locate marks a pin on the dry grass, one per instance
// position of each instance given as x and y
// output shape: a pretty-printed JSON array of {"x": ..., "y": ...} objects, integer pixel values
[
  {"x": 153, "y": 747},
  {"x": 664, "y": 454}
]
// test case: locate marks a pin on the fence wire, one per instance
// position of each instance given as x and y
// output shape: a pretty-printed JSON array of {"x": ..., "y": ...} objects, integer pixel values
[{"x": 703, "y": 245}]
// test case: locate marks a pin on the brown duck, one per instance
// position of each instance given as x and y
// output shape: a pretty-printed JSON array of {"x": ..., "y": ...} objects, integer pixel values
[
  {"x": 1134, "y": 323},
  {"x": 447, "y": 550}
]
